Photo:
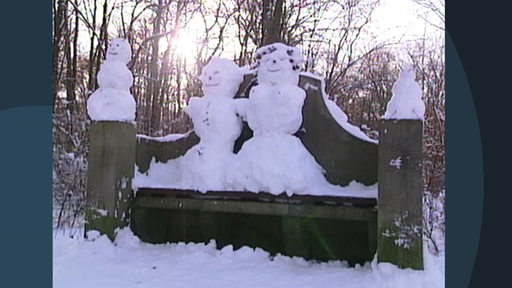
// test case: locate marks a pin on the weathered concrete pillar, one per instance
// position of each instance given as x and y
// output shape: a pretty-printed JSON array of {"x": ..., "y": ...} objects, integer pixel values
[
  {"x": 400, "y": 193},
  {"x": 110, "y": 173}
]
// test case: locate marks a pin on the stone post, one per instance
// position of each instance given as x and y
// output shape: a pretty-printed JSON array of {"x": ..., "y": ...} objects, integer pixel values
[
  {"x": 110, "y": 173},
  {"x": 400, "y": 201}
]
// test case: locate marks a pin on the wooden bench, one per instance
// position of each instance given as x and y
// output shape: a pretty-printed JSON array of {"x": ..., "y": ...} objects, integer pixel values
[
  {"x": 313, "y": 227},
  {"x": 320, "y": 227}
]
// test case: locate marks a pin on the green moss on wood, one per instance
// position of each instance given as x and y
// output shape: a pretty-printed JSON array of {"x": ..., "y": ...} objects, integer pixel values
[
  {"x": 111, "y": 168},
  {"x": 401, "y": 246},
  {"x": 105, "y": 224}
]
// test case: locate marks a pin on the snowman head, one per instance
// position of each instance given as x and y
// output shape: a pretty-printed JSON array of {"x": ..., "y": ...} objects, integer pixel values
[
  {"x": 119, "y": 50},
  {"x": 408, "y": 72},
  {"x": 221, "y": 78},
  {"x": 278, "y": 64}
]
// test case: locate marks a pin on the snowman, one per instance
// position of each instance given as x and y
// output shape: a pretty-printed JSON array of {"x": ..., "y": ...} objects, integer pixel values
[
  {"x": 217, "y": 123},
  {"x": 276, "y": 102},
  {"x": 113, "y": 101},
  {"x": 274, "y": 160},
  {"x": 406, "y": 101}
]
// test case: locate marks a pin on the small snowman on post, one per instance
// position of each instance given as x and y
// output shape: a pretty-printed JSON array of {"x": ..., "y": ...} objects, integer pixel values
[
  {"x": 406, "y": 101},
  {"x": 112, "y": 143},
  {"x": 113, "y": 101},
  {"x": 217, "y": 123},
  {"x": 400, "y": 212}
]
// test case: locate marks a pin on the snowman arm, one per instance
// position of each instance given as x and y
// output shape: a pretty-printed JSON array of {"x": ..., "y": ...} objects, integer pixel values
[{"x": 192, "y": 106}]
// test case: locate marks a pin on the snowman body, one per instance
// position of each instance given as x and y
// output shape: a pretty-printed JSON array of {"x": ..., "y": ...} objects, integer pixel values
[
  {"x": 217, "y": 124},
  {"x": 274, "y": 160},
  {"x": 113, "y": 101},
  {"x": 406, "y": 102}
]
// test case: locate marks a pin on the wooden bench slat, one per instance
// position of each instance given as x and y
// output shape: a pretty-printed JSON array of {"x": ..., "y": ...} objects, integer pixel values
[
  {"x": 349, "y": 208},
  {"x": 260, "y": 197}
]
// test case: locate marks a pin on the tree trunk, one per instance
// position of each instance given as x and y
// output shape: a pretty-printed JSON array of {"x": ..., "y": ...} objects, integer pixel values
[
  {"x": 91, "y": 84},
  {"x": 59, "y": 22},
  {"x": 272, "y": 17},
  {"x": 154, "y": 81}
]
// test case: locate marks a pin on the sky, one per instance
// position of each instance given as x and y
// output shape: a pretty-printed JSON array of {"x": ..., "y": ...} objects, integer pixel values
[
  {"x": 400, "y": 18},
  {"x": 392, "y": 19}
]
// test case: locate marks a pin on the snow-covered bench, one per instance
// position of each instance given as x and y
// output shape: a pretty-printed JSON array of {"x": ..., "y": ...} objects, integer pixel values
[
  {"x": 349, "y": 227},
  {"x": 313, "y": 227},
  {"x": 343, "y": 151}
]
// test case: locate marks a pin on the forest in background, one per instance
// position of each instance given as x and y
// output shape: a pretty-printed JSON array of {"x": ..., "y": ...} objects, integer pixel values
[{"x": 172, "y": 40}]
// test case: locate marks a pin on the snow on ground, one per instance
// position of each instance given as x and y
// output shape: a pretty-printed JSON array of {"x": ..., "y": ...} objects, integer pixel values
[{"x": 130, "y": 263}]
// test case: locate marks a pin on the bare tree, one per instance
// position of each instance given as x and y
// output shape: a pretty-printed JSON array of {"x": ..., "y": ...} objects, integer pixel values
[
  {"x": 437, "y": 9},
  {"x": 272, "y": 21},
  {"x": 60, "y": 8}
]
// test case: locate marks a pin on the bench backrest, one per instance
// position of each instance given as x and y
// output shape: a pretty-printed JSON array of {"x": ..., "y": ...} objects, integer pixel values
[{"x": 343, "y": 156}]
